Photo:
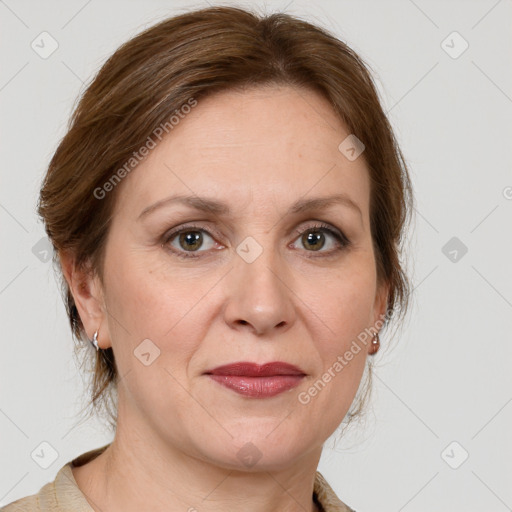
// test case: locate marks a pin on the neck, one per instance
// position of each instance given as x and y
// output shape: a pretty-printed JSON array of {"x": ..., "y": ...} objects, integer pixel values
[{"x": 128, "y": 476}]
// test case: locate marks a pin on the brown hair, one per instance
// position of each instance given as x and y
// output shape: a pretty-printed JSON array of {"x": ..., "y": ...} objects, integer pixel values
[{"x": 192, "y": 55}]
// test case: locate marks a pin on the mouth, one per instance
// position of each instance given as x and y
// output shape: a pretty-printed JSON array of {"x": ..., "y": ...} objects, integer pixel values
[{"x": 257, "y": 381}]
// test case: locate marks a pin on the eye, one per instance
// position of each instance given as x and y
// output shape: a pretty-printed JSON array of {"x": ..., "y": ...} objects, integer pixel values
[
  {"x": 314, "y": 239},
  {"x": 189, "y": 239}
]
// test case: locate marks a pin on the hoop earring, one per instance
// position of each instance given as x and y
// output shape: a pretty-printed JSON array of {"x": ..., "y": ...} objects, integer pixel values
[
  {"x": 94, "y": 341},
  {"x": 375, "y": 344}
]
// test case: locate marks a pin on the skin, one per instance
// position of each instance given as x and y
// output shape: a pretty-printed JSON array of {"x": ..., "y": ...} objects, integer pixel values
[{"x": 179, "y": 432}]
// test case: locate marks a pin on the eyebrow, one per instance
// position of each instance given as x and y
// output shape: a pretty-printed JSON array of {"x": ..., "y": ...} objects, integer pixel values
[{"x": 216, "y": 207}]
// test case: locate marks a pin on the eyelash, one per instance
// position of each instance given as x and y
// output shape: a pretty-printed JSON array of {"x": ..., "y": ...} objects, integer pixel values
[{"x": 342, "y": 241}]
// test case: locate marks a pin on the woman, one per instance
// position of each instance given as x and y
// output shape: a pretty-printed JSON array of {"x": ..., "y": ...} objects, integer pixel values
[{"x": 227, "y": 209}]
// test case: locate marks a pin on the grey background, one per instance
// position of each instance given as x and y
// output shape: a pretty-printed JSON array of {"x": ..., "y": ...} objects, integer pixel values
[{"x": 448, "y": 379}]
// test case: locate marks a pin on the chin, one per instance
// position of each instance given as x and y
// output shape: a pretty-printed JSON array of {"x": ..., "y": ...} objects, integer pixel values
[{"x": 257, "y": 450}]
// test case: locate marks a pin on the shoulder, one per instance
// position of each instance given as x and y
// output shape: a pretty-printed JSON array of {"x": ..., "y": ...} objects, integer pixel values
[
  {"x": 326, "y": 496},
  {"x": 43, "y": 500},
  {"x": 60, "y": 495}
]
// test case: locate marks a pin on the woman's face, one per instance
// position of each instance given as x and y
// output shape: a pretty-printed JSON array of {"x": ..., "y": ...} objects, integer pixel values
[{"x": 259, "y": 279}]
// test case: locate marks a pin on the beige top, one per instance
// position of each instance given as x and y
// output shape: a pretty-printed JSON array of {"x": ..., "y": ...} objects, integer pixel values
[{"x": 64, "y": 495}]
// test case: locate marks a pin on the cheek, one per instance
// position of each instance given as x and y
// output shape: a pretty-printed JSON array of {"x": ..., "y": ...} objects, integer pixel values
[
  {"x": 344, "y": 298},
  {"x": 343, "y": 353},
  {"x": 152, "y": 312},
  {"x": 148, "y": 300},
  {"x": 151, "y": 300},
  {"x": 344, "y": 304}
]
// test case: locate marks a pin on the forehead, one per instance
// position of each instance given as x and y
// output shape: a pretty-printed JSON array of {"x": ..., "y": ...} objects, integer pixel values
[{"x": 263, "y": 146}]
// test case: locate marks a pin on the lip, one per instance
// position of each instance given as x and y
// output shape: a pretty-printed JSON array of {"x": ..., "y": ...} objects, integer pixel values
[
  {"x": 257, "y": 381},
  {"x": 248, "y": 369}
]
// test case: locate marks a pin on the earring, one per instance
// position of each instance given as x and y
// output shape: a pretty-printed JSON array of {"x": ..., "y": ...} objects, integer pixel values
[
  {"x": 94, "y": 341},
  {"x": 375, "y": 344}
]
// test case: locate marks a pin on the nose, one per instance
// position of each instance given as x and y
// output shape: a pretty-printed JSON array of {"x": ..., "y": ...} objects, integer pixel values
[{"x": 259, "y": 298}]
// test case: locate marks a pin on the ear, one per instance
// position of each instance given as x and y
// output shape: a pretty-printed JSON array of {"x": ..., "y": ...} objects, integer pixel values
[
  {"x": 87, "y": 293},
  {"x": 380, "y": 305},
  {"x": 379, "y": 310}
]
